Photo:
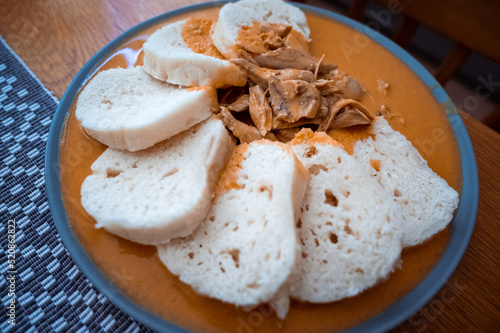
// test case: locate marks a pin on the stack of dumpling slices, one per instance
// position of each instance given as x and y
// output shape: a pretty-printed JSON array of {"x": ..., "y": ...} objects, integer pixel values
[{"x": 254, "y": 223}]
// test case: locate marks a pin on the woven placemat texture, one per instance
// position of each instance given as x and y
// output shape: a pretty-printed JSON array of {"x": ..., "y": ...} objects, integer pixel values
[{"x": 51, "y": 293}]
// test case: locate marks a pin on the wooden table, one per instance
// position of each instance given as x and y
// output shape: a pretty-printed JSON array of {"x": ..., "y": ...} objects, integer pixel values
[{"x": 55, "y": 38}]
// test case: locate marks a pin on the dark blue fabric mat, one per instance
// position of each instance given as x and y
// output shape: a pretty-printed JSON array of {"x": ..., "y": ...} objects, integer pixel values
[{"x": 51, "y": 293}]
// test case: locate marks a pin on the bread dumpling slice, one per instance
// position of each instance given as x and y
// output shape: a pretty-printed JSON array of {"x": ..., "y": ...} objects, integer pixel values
[
  {"x": 426, "y": 200},
  {"x": 162, "y": 192},
  {"x": 183, "y": 53},
  {"x": 244, "y": 13},
  {"x": 350, "y": 229},
  {"x": 246, "y": 248},
  {"x": 128, "y": 109}
]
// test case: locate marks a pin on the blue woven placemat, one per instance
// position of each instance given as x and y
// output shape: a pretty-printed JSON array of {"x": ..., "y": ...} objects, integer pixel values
[{"x": 50, "y": 293}]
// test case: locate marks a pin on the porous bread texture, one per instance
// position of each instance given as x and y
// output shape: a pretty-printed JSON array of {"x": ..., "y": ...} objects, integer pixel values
[
  {"x": 163, "y": 192},
  {"x": 350, "y": 228},
  {"x": 246, "y": 248},
  {"x": 167, "y": 57},
  {"x": 128, "y": 109},
  {"x": 426, "y": 200},
  {"x": 233, "y": 16}
]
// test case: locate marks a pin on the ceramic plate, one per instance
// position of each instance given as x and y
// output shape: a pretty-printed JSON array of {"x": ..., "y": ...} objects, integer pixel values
[{"x": 461, "y": 226}]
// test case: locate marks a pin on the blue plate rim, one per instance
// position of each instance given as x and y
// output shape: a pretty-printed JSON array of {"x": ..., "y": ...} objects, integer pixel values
[{"x": 462, "y": 225}]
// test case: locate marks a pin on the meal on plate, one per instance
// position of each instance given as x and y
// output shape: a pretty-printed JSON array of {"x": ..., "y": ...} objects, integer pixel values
[{"x": 260, "y": 170}]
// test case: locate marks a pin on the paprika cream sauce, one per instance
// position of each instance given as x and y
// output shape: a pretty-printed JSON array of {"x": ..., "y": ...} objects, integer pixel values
[{"x": 140, "y": 275}]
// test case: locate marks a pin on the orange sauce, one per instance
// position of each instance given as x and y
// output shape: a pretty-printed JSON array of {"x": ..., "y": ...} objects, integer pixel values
[
  {"x": 229, "y": 178},
  {"x": 140, "y": 275},
  {"x": 196, "y": 32}
]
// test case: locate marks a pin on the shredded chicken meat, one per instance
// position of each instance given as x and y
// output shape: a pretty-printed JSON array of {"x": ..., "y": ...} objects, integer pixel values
[
  {"x": 288, "y": 88},
  {"x": 242, "y": 131},
  {"x": 287, "y": 134},
  {"x": 334, "y": 118},
  {"x": 260, "y": 110},
  {"x": 280, "y": 29},
  {"x": 240, "y": 105},
  {"x": 261, "y": 75},
  {"x": 350, "y": 88},
  {"x": 293, "y": 99},
  {"x": 286, "y": 57}
]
